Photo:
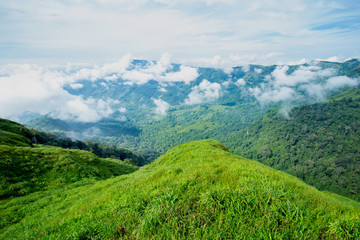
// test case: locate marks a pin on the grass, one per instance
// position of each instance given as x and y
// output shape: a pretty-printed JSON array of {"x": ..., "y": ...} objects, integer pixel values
[
  {"x": 14, "y": 134},
  {"x": 24, "y": 170},
  {"x": 198, "y": 190}
]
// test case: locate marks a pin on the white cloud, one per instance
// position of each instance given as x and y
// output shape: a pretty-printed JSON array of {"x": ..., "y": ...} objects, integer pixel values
[
  {"x": 330, "y": 59},
  {"x": 279, "y": 76},
  {"x": 122, "y": 119},
  {"x": 160, "y": 71},
  {"x": 240, "y": 82},
  {"x": 76, "y": 85},
  {"x": 109, "y": 71},
  {"x": 340, "y": 81},
  {"x": 233, "y": 60},
  {"x": 84, "y": 30},
  {"x": 186, "y": 75},
  {"x": 122, "y": 110},
  {"x": 161, "y": 89},
  {"x": 80, "y": 110},
  {"x": 161, "y": 106},
  {"x": 275, "y": 95},
  {"x": 137, "y": 77},
  {"x": 258, "y": 70},
  {"x": 317, "y": 82},
  {"x": 40, "y": 90},
  {"x": 205, "y": 92},
  {"x": 320, "y": 91}
]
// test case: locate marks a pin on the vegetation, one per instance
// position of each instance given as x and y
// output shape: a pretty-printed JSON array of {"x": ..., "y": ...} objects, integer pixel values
[
  {"x": 319, "y": 143},
  {"x": 196, "y": 190},
  {"x": 15, "y": 134},
  {"x": 137, "y": 127},
  {"x": 98, "y": 149},
  {"x": 24, "y": 170}
]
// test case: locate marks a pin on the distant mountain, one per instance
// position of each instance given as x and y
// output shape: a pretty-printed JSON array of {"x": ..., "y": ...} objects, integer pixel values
[
  {"x": 196, "y": 190},
  {"x": 153, "y": 106},
  {"x": 319, "y": 143}
]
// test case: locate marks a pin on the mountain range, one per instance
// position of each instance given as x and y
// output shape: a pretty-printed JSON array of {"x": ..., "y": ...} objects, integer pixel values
[{"x": 300, "y": 120}]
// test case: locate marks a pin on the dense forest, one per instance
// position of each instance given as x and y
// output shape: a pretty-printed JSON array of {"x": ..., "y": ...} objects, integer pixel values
[{"x": 319, "y": 143}]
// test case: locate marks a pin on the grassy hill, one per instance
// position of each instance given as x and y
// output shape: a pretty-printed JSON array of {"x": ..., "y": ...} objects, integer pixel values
[
  {"x": 14, "y": 134},
  {"x": 319, "y": 143},
  {"x": 198, "y": 190},
  {"x": 24, "y": 170}
]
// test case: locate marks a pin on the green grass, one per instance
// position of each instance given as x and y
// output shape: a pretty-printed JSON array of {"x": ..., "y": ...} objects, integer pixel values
[
  {"x": 198, "y": 190},
  {"x": 14, "y": 134},
  {"x": 24, "y": 170}
]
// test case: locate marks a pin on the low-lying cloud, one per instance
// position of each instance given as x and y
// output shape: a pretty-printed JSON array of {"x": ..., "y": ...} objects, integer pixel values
[
  {"x": 40, "y": 89},
  {"x": 316, "y": 82},
  {"x": 160, "y": 71},
  {"x": 161, "y": 106},
  {"x": 205, "y": 92},
  {"x": 31, "y": 88}
]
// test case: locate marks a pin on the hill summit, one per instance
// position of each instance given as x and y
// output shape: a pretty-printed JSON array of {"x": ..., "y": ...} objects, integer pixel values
[{"x": 196, "y": 190}]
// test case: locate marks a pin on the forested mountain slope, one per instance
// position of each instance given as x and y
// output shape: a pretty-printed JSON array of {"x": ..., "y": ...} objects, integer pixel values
[
  {"x": 196, "y": 190},
  {"x": 144, "y": 111},
  {"x": 319, "y": 143}
]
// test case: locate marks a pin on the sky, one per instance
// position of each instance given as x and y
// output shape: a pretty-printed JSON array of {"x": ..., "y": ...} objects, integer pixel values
[{"x": 203, "y": 32}]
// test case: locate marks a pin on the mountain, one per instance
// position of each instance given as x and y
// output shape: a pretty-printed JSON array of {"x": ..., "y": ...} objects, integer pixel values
[
  {"x": 196, "y": 190},
  {"x": 150, "y": 107},
  {"x": 319, "y": 143}
]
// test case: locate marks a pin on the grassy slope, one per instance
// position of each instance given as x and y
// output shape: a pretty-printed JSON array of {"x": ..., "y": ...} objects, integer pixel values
[
  {"x": 197, "y": 190},
  {"x": 14, "y": 134},
  {"x": 319, "y": 143},
  {"x": 24, "y": 170}
]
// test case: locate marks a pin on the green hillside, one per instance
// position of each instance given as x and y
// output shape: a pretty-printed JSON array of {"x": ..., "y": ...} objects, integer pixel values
[
  {"x": 24, "y": 170},
  {"x": 319, "y": 143},
  {"x": 14, "y": 134},
  {"x": 197, "y": 190}
]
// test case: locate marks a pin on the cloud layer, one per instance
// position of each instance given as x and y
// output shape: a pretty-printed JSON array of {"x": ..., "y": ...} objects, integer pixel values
[
  {"x": 37, "y": 89},
  {"x": 281, "y": 85},
  {"x": 212, "y": 31},
  {"x": 40, "y": 89}
]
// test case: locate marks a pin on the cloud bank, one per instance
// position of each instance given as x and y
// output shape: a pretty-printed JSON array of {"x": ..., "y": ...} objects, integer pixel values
[
  {"x": 40, "y": 89},
  {"x": 30, "y": 88},
  {"x": 281, "y": 85}
]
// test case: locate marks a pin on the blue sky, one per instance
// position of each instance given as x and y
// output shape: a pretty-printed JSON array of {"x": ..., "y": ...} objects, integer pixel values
[{"x": 207, "y": 32}]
